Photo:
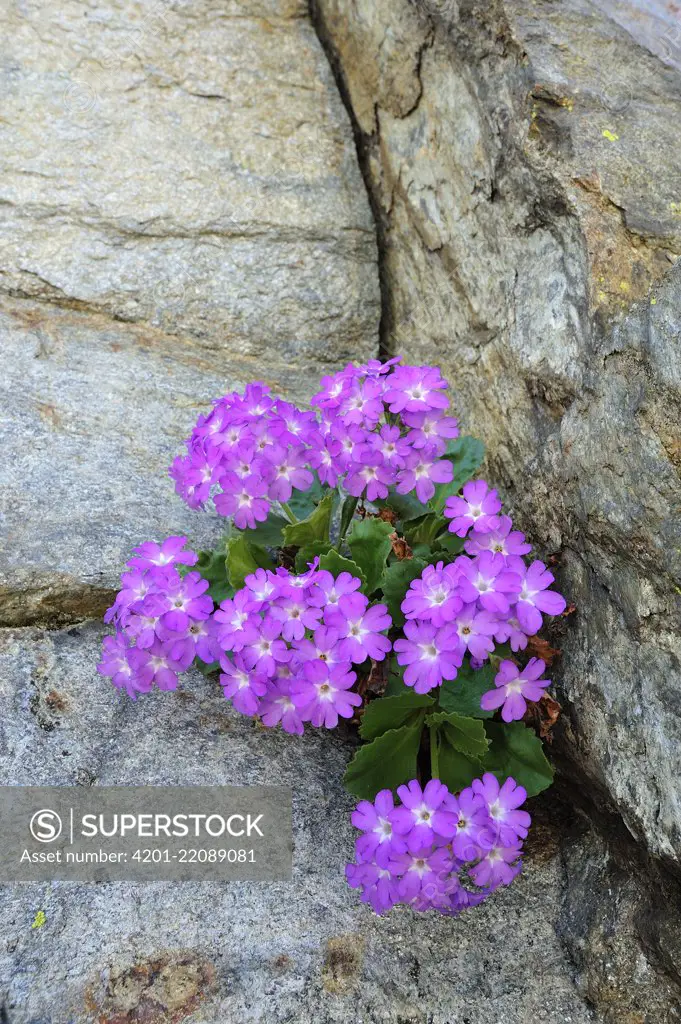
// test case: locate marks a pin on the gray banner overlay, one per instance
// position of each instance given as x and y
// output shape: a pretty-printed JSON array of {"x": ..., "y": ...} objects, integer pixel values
[{"x": 145, "y": 833}]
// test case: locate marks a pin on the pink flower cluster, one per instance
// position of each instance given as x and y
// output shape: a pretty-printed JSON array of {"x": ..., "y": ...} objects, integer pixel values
[
  {"x": 290, "y": 642},
  {"x": 162, "y": 619},
  {"x": 384, "y": 425},
  {"x": 435, "y": 850},
  {"x": 254, "y": 448},
  {"x": 380, "y": 426},
  {"x": 487, "y": 596}
]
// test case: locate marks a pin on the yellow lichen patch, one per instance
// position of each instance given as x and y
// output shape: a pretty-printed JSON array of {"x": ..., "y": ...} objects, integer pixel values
[
  {"x": 624, "y": 267},
  {"x": 610, "y": 136},
  {"x": 39, "y": 919},
  {"x": 342, "y": 963}
]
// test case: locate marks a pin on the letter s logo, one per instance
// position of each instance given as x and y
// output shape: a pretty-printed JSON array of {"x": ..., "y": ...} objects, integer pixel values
[{"x": 45, "y": 826}]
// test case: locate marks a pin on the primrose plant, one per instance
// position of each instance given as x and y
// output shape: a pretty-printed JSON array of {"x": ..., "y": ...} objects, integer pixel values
[{"x": 366, "y": 575}]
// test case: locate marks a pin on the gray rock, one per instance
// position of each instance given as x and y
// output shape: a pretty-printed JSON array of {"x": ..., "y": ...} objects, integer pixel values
[
  {"x": 93, "y": 411},
  {"x": 490, "y": 263},
  {"x": 525, "y": 177},
  {"x": 187, "y": 169},
  {"x": 306, "y": 951},
  {"x": 186, "y": 165}
]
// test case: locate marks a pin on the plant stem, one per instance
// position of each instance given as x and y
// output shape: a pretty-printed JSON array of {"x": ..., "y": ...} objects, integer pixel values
[
  {"x": 289, "y": 514},
  {"x": 348, "y": 513},
  {"x": 434, "y": 753}
]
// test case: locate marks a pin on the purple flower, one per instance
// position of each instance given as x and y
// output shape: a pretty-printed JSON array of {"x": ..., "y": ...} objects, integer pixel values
[
  {"x": 262, "y": 584},
  {"x": 430, "y": 654},
  {"x": 503, "y": 803},
  {"x": 501, "y": 541},
  {"x": 267, "y": 651},
  {"x": 430, "y": 427},
  {"x": 116, "y": 664},
  {"x": 237, "y": 624},
  {"x": 325, "y": 459},
  {"x": 421, "y": 871},
  {"x": 392, "y": 448},
  {"x": 486, "y": 579},
  {"x": 277, "y": 707},
  {"x": 451, "y": 842},
  {"x": 334, "y": 588},
  {"x": 243, "y": 686},
  {"x": 169, "y": 552},
  {"x": 379, "y": 841},
  {"x": 323, "y": 647},
  {"x": 288, "y": 470},
  {"x": 423, "y": 470},
  {"x": 475, "y": 630},
  {"x": 422, "y": 815},
  {"x": 473, "y": 827},
  {"x": 295, "y": 615},
  {"x": 509, "y": 631},
  {"x": 198, "y": 640},
  {"x": 476, "y": 510},
  {"x": 155, "y": 666},
  {"x": 415, "y": 389},
  {"x": 379, "y": 888},
  {"x": 434, "y": 596},
  {"x": 370, "y": 476},
  {"x": 323, "y": 694},
  {"x": 514, "y": 688},
  {"x": 244, "y": 500},
  {"x": 362, "y": 404},
  {"x": 181, "y": 602},
  {"x": 534, "y": 597},
  {"x": 360, "y": 628},
  {"x": 499, "y": 866}
]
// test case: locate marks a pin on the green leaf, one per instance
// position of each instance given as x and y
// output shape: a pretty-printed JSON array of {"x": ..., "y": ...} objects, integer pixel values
[
  {"x": 370, "y": 545},
  {"x": 315, "y": 527},
  {"x": 309, "y": 552},
  {"x": 467, "y": 735},
  {"x": 405, "y": 506},
  {"x": 269, "y": 534},
  {"x": 425, "y": 530},
  {"x": 347, "y": 512},
  {"x": 212, "y": 565},
  {"x": 518, "y": 752},
  {"x": 466, "y": 455},
  {"x": 450, "y": 543},
  {"x": 206, "y": 670},
  {"x": 393, "y": 712},
  {"x": 396, "y": 684},
  {"x": 303, "y": 503},
  {"x": 395, "y": 584},
  {"x": 336, "y": 564},
  {"x": 462, "y": 695},
  {"x": 243, "y": 559},
  {"x": 385, "y": 763},
  {"x": 457, "y": 770}
]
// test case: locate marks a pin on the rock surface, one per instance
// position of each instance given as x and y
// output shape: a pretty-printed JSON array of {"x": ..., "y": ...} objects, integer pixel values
[
  {"x": 181, "y": 201},
  {"x": 305, "y": 951},
  {"x": 187, "y": 165},
  {"x": 515, "y": 235},
  {"x": 526, "y": 180},
  {"x": 93, "y": 411},
  {"x": 182, "y": 211}
]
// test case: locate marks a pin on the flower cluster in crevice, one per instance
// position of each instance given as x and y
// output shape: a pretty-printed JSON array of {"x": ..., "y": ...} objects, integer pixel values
[{"x": 366, "y": 575}]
